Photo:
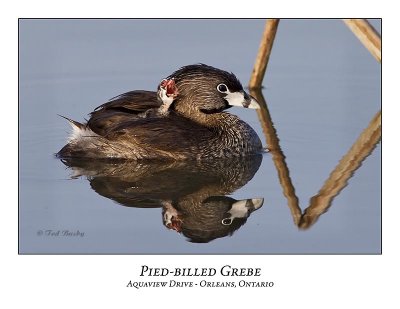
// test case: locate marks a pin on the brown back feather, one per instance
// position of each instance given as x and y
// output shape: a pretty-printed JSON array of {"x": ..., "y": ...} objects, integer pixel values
[
  {"x": 121, "y": 108},
  {"x": 175, "y": 134}
]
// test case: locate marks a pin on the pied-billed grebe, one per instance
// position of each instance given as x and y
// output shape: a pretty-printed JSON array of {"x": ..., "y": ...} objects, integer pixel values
[
  {"x": 195, "y": 128},
  {"x": 166, "y": 94}
]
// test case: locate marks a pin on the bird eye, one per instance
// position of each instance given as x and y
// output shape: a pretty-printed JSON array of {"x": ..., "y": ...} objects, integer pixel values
[{"x": 222, "y": 88}]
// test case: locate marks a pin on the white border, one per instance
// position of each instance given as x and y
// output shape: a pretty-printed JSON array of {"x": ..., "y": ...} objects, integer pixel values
[{"x": 98, "y": 281}]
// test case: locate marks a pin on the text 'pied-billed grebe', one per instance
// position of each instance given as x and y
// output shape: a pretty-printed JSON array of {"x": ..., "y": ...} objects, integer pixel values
[{"x": 186, "y": 119}]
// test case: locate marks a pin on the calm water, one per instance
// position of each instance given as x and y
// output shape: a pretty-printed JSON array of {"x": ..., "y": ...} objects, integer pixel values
[{"x": 322, "y": 89}]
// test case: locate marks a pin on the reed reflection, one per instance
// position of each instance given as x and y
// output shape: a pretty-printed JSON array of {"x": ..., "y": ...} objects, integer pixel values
[
  {"x": 338, "y": 178},
  {"x": 192, "y": 195},
  {"x": 272, "y": 140}
]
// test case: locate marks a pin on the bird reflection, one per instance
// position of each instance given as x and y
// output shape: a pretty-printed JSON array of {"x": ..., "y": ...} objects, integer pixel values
[
  {"x": 214, "y": 217},
  {"x": 192, "y": 195}
]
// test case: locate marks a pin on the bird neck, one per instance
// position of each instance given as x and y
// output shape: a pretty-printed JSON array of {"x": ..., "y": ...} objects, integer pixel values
[{"x": 213, "y": 120}]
